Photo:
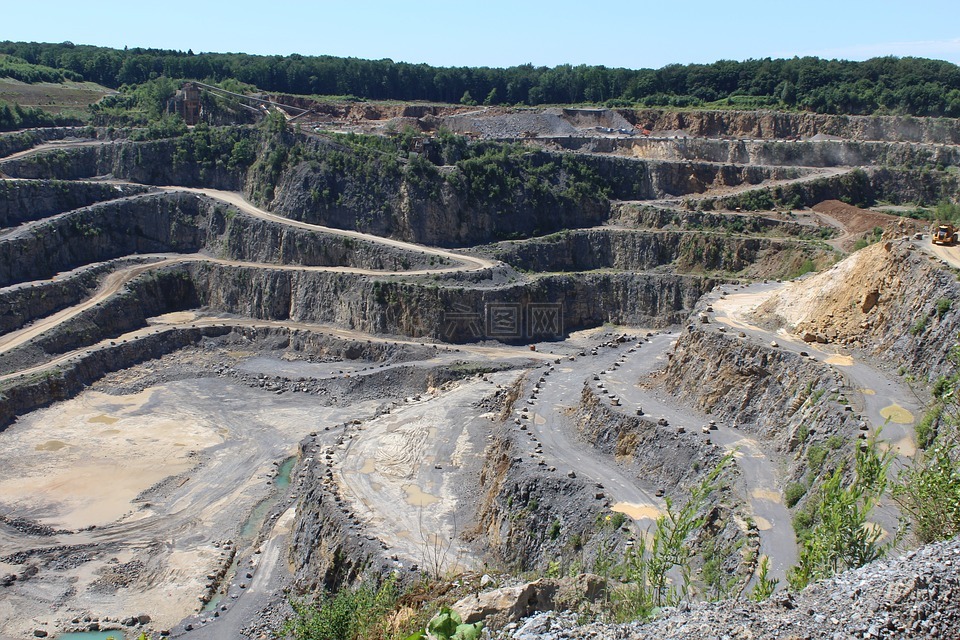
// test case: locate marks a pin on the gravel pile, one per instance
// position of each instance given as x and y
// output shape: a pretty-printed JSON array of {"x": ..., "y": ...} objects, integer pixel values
[{"x": 913, "y": 596}]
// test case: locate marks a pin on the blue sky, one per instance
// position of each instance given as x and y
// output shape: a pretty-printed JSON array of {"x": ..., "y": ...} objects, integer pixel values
[{"x": 501, "y": 33}]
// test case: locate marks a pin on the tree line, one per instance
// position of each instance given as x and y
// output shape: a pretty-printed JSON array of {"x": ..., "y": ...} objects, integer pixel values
[{"x": 915, "y": 86}]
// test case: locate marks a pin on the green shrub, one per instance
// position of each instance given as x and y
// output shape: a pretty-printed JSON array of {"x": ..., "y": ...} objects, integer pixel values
[
  {"x": 554, "y": 531},
  {"x": 350, "y": 614},
  {"x": 926, "y": 428},
  {"x": 816, "y": 454},
  {"x": 838, "y": 537},
  {"x": 943, "y": 306},
  {"x": 918, "y": 326},
  {"x": 793, "y": 493},
  {"x": 929, "y": 492}
]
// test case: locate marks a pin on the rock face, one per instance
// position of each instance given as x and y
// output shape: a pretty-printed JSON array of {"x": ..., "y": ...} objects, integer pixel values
[
  {"x": 183, "y": 223},
  {"x": 392, "y": 307},
  {"x": 640, "y": 251},
  {"x": 25, "y": 200},
  {"x": 758, "y": 386},
  {"x": 772, "y": 124},
  {"x": 914, "y": 596}
]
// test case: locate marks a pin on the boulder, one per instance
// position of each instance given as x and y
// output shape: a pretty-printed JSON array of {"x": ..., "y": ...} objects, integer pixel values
[
  {"x": 869, "y": 301},
  {"x": 499, "y": 607}
]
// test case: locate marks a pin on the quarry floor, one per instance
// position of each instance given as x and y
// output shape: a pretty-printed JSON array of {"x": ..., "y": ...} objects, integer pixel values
[{"x": 150, "y": 481}]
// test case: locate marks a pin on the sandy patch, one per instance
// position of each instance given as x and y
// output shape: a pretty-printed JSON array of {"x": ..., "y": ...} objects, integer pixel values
[
  {"x": 177, "y": 317},
  {"x": 400, "y": 452},
  {"x": 79, "y": 478},
  {"x": 766, "y": 494},
  {"x": 868, "y": 392},
  {"x": 762, "y": 523},
  {"x": 638, "y": 511},
  {"x": 840, "y": 361}
]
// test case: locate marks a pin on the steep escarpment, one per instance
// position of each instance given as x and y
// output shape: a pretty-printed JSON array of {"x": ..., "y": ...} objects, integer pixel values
[
  {"x": 210, "y": 157},
  {"x": 683, "y": 252},
  {"x": 24, "y": 303},
  {"x": 762, "y": 389},
  {"x": 180, "y": 223},
  {"x": 26, "y": 200},
  {"x": 403, "y": 308},
  {"x": 773, "y": 124},
  {"x": 658, "y": 455},
  {"x": 152, "y": 294},
  {"x": 490, "y": 192},
  {"x": 28, "y": 393},
  {"x": 153, "y": 223},
  {"x": 519, "y": 506},
  {"x": 772, "y": 153}
]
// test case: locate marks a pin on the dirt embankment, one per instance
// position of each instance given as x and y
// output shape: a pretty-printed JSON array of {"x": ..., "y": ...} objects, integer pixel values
[{"x": 889, "y": 299}]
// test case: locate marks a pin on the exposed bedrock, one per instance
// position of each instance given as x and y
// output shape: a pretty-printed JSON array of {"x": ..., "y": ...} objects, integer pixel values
[
  {"x": 21, "y": 304},
  {"x": 181, "y": 223},
  {"x": 773, "y": 124},
  {"x": 26, "y": 200},
  {"x": 453, "y": 206},
  {"x": 809, "y": 153},
  {"x": 629, "y": 179},
  {"x": 429, "y": 205},
  {"x": 519, "y": 504},
  {"x": 528, "y": 517},
  {"x": 890, "y": 300},
  {"x": 752, "y": 385},
  {"x": 860, "y": 186},
  {"x": 403, "y": 308},
  {"x": 159, "y": 162},
  {"x": 639, "y": 250},
  {"x": 659, "y": 456},
  {"x": 776, "y": 397},
  {"x": 151, "y": 294}
]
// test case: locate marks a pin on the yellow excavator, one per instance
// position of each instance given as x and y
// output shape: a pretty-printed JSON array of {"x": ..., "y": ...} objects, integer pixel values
[{"x": 945, "y": 234}]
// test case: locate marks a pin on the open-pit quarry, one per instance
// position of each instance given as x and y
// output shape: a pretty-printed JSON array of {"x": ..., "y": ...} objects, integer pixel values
[{"x": 227, "y": 384}]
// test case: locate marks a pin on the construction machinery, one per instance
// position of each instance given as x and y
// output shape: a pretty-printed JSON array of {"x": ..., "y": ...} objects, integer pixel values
[{"x": 945, "y": 234}]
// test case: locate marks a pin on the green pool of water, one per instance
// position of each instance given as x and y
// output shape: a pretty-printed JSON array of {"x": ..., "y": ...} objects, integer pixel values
[{"x": 253, "y": 524}]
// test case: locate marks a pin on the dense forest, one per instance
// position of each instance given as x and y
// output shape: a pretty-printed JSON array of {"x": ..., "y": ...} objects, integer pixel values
[{"x": 913, "y": 86}]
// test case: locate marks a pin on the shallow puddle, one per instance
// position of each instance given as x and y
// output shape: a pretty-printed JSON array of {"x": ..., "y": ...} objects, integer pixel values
[
  {"x": 637, "y": 511},
  {"x": 897, "y": 414},
  {"x": 417, "y": 497},
  {"x": 51, "y": 445}
]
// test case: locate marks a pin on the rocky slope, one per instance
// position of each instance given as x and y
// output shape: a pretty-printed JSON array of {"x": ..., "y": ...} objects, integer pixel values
[
  {"x": 913, "y": 596},
  {"x": 885, "y": 299}
]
